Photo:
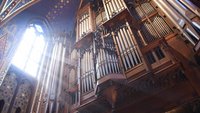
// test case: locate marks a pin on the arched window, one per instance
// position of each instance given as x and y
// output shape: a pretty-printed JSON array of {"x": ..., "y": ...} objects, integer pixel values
[
  {"x": 1, "y": 105},
  {"x": 30, "y": 50}
]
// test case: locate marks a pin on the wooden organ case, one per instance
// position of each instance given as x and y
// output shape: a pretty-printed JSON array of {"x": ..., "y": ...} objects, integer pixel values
[{"x": 126, "y": 59}]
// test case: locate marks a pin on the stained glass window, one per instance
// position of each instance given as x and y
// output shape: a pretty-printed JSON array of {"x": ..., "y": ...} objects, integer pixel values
[{"x": 30, "y": 50}]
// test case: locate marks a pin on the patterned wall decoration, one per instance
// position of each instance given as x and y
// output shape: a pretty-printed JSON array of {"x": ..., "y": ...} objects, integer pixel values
[
  {"x": 23, "y": 96},
  {"x": 7, "y": 90},
  {"x": 10, "y": 8},
  {"x": 7, "y": 40}
]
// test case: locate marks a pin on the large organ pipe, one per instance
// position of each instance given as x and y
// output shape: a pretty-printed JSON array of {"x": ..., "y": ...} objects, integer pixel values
[
  {"x": 191, "y": 6},
  {"x": 55, "y": 76},
  {"x": 41, "y": 80},
  {"x": 178, "y": 20},
  {"x": 185, "y": 12},
  {"x": 54, "y": 87},
  {"x": 50, "y": 74},
  {"x": 60, "y": 76}
]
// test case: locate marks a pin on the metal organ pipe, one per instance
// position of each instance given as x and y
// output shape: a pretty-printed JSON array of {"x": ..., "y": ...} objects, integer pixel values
[
  {"x": 185, "y": 12},
  {"x": 43, "y": 80},
  {"x": 191, "y": 6},
  {"x": 62, "y": 61},
  {"x": 50, "y": 74},
  {"x": 178, "y": 20}
]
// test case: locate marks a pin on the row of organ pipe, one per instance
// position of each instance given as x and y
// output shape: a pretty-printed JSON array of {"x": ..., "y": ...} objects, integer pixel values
[
  {"x": 87, "y": 70},
  {"x": 113, "y": 7},
  {"x": 139, "y": 11},
  {"x": 155, "y": 29},
  {"x": 107, "y": 60},
  {"x": 84, "y": 24},
  {"x": 127, "y": 47},
  {"x": 152, "y": 27}
]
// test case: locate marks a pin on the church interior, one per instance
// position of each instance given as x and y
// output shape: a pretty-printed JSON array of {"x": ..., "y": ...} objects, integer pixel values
[{"x": 99, "y": 56}]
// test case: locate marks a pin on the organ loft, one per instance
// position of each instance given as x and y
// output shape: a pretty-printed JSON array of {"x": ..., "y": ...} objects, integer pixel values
[{"x": 99, "y": 56}]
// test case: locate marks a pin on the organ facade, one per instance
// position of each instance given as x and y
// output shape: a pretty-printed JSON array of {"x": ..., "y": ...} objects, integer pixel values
[{"x": 124, "y": 56}]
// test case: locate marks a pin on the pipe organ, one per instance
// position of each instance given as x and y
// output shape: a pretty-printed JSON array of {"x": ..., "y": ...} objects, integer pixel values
[
  {"x": 119, "y": 47},
  {"x": 127, "y": 46},
  {"x": 113, "y": 7}
]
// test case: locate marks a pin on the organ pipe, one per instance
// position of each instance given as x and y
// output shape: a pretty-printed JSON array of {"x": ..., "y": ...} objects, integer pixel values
[
  {"x": 47, "y": 91},
  {"x": 60, "y": 78},
  {"x": 43, "y": 80},
  {"x": 185, "y": 12}
]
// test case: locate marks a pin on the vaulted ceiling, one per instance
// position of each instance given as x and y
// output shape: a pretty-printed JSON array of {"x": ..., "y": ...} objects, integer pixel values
[{"x": 60, "y": 13}]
